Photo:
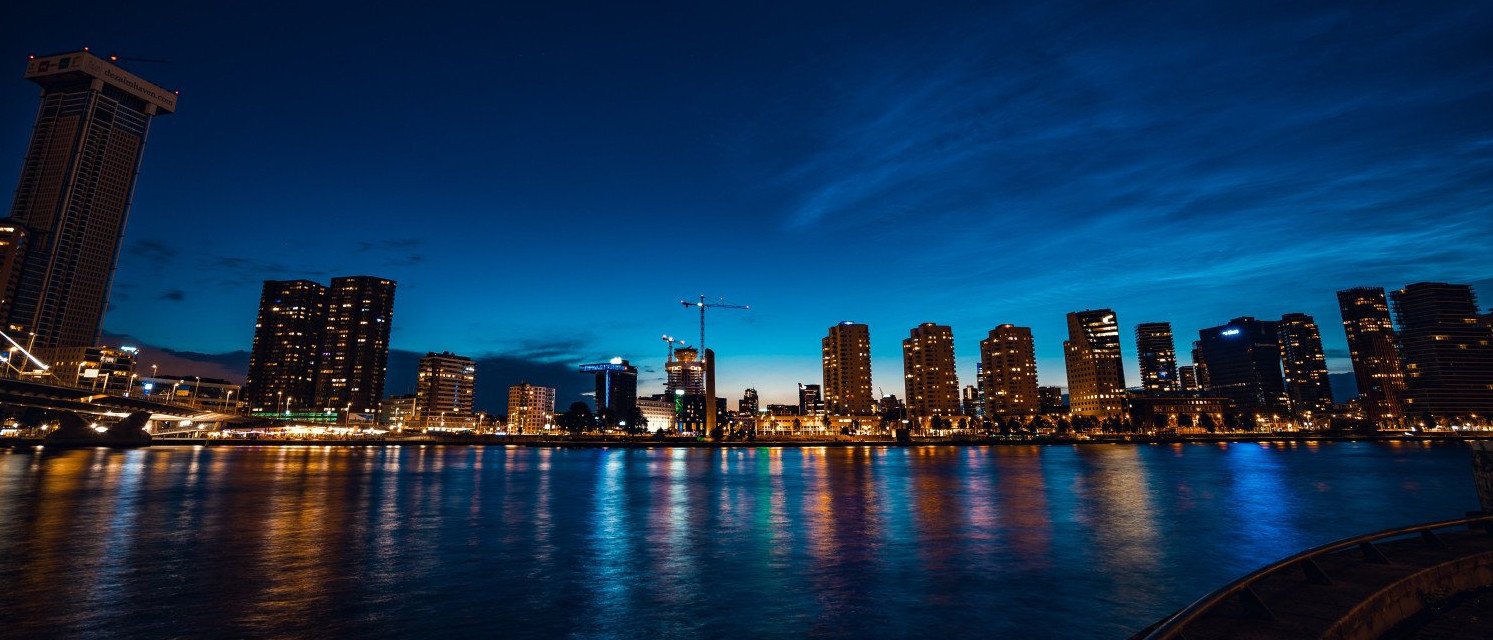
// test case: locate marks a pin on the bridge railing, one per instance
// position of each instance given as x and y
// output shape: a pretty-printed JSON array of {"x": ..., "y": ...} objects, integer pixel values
[{"x": 1174, "y": 626}]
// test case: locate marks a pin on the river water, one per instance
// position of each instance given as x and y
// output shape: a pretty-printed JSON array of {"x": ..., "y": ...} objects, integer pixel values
[{"x": 1088, "y": 541}]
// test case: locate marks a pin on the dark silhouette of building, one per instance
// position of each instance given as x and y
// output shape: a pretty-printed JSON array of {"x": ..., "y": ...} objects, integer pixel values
[
  {"x": 12, "y": 255},
  {"x": 1448, "y": 354},
  {"x": 287, "y": 343},
  {"x": 1008, "y": 368},
  {"x": 74, "y": 194},
  {"x": 810, "y": 399},
  {"x": 1157, "y": 353},
  {"x": 928, "y": 367},
  {"x": 1243, "y": 361},
  {"x": 616, "y": 386},
  {"x": 783, "y": 410},
  {"x": 1051, "y": 399},
  {"x": 1187, "y": 378},
  {"x": 355, "y": 345},
  {"x": 889, "y": 407},
  {"x": 1096, "y": 375},
  {"x": 1175, "y": 411},
  {"x": 1305, "y": 366},
  {"x": 1199, "y": 368},
  {"x": 749, "y": 403},
  {"x": 1375, "y": 354},
  {"x": 847, "y": 370}
]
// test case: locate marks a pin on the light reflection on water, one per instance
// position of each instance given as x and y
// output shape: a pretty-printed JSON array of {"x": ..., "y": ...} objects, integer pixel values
[{"x": 1059, "y": 541}]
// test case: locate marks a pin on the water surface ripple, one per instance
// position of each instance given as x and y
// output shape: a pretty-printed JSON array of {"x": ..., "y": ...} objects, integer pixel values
[{"x": 1041, "y": 541}]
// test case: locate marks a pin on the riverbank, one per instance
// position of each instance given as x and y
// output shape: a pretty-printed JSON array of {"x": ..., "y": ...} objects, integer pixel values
[{"x": 648, "y": 442}]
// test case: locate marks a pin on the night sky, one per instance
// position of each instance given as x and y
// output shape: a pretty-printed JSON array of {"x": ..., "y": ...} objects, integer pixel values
[{"x": 545, "y": 182}]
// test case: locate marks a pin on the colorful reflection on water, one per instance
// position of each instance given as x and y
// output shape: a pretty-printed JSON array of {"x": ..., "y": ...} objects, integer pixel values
[{"x": 1034, "y": 541}]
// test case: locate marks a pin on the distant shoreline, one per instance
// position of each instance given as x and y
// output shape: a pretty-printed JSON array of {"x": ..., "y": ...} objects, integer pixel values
[{"x": 652, "y": 443}]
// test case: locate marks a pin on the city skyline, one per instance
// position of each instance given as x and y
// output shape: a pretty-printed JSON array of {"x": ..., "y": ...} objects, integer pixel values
[{"x": 1226, "y": 231}]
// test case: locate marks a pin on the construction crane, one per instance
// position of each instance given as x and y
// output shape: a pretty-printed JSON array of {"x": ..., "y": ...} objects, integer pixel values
[
  {"x": 703, "y": 305},
  {"x": 671, "y": 341}
]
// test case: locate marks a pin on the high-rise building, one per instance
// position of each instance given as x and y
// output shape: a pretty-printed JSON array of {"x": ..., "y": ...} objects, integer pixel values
[
  {"x": 1448, "y": 354},
  {"x": 847, "y": 370},
  {"x": 810, "y": 400},
  {"x": 928, "y": 367},
  {"x": 749, "y": 403},
  {"x": 354, "y": 353},
  {"x": 1008, "y": 365},
  {"x": 1375, "y": 354},
  {"x": 1096, "y": 375},
  {"x": 445, "y": 390},
  {"x": 1305, "y": 366},
  {"x": 1158, "y": 356},
  {"x": 287, "y": 343},
  {"x": 1187, "y": 378},
  {"x": 74, "y": 193},
  {"x": 686, "y": 372},
  {"x": 530, "y": 408},
  {"x": 616, "y": 386},
  {"x": 1243, "y": 360}
]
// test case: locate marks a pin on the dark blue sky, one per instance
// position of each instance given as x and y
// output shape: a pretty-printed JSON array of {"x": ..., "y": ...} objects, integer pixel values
[{"x": 546, "y": 181}]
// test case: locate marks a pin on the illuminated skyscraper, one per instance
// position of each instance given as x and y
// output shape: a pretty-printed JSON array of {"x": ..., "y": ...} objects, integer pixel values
[
  {"x": 1376, "y": 358},
  {"x": 354, "y": 353},
  {"x": 686, "y": 372},
  {"x": 616, "y": 387},
  {"x": 1448, "y": 354},
  {"x": 74, "y": 194},
  {"x": 1158, "y": 356},
  {"x": 287, "y": 343},
  {"x": 847, "y": 370},
  {"x": 445, "y": 390},
  {"x": 1008, "y": 364},
  {"x": 1243, "y": 360},
  {"x": 1304, "y": 365},
  {"x": 928, "y": 366},
  {"x": 1096, "y": 376}
]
